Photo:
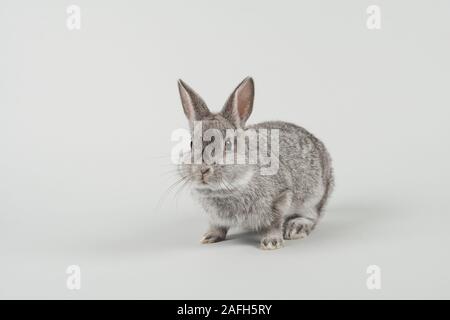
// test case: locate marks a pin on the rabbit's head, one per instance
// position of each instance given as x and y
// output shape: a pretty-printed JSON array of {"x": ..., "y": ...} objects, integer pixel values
[{"x": 213, "y": 156}]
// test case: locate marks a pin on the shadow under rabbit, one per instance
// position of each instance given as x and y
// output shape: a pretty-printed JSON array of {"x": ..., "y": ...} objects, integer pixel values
[{"x": 340, "y": 222}]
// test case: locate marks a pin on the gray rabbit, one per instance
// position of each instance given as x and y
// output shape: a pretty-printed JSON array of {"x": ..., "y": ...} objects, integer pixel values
[{"x": 286, "y": 204}]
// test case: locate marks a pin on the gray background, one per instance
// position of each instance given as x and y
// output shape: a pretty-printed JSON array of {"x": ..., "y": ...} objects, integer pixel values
[{"x": 85, "y": 124}]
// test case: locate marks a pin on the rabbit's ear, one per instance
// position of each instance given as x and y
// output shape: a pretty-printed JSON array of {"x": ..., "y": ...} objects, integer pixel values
[
  {"x": 193, "y": 105},
  {"x": 240, "y": 104}
]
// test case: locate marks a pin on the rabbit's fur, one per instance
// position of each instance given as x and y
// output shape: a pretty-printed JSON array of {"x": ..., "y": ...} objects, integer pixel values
[{"x": 285, "y": 205}]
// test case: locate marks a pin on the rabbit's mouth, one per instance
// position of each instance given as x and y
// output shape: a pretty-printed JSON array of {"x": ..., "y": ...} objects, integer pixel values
[
  {"x": 207, "y": 183},
  {"x": 203, "y": 183}
]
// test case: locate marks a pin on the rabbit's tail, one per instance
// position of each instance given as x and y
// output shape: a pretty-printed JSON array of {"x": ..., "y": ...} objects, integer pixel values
[{"x": 328, "y": 178}]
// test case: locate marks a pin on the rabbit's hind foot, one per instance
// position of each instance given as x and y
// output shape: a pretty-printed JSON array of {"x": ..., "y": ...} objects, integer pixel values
[{"x": 298, "y": 228}]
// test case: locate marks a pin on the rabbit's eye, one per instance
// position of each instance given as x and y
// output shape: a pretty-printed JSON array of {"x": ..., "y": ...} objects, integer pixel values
[{"x": 228, "y": 144}]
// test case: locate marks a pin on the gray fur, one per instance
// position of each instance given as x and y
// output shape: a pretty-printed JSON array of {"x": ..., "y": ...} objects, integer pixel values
[{"x": 281, "y": 207}]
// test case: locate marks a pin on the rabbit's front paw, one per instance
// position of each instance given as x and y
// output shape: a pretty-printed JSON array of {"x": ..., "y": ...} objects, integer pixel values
[
  {"x": 272, "y": 242},
  {"x": 298, "y": 228},
  {"x": 213, "y": 236}
]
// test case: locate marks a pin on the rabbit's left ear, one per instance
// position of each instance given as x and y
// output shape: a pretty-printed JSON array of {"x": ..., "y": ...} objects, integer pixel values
[{"x": 240, "y": 104}]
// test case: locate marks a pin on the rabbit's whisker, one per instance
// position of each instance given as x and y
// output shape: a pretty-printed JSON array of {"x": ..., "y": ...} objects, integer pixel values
[{"x": 169, "y": 189}]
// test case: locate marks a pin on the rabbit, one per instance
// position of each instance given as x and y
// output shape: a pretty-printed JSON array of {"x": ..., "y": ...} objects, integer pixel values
[{"x": 282, "y": 206}]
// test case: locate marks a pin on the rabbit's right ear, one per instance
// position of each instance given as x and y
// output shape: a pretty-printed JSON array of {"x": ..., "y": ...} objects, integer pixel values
[{"x": 193, "y": 105}]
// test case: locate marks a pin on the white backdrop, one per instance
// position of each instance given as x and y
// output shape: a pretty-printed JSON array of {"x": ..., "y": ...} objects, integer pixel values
[{"x": 85, "y": 123}]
